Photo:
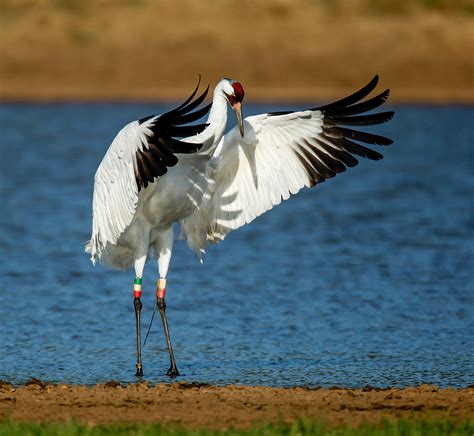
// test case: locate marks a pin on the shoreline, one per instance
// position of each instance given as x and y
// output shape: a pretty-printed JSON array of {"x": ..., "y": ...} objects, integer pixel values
[
  {"x": 195, "y": 405},
  {"x": 263, "y": 97}
]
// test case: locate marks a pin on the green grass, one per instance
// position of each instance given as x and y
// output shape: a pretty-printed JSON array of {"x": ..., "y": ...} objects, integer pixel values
[{"x": 300, "y": 427}]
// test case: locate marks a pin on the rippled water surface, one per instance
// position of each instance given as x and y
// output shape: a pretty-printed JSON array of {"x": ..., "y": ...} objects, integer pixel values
[{"x": 365, "y": 279}]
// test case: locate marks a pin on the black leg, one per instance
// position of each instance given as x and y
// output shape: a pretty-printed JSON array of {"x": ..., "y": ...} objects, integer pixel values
[
  {"x": 173, "y": 371},
  {"x": 138, "y": 308}
]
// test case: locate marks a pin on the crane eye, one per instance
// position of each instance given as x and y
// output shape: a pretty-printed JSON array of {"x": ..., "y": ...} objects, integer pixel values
[{"x": 231, "y": 98}]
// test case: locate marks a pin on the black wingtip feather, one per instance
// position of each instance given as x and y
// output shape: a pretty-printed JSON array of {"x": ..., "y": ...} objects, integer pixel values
[
  {"x": 362, "y": 120},
  {"x": 332, "y": 150},
  {"x": 353, "y": 98},
  {"x": 191, "y": 96},
  {"x": 357, "y": 135},
  {"x": 153, "y": 161},
  {"x": 142, "y": 120},
  {"x": 361, "y": 107},
  {"x": 193, "y": 116},
  {"x": 351, "y": 111},
  {"x": 196, "y": 103}
]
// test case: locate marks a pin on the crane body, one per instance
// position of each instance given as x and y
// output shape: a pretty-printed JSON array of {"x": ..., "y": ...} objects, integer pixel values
[{"x": 163, "y": 170}]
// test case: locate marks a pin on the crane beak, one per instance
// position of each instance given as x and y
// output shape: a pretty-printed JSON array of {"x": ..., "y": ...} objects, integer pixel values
[{"x": 238, "y": 112}]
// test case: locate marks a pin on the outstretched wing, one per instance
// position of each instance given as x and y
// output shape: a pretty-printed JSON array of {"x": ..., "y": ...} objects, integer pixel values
[
  {"x": 281, "y": 153},
  {"x": 141, "y": 151}
]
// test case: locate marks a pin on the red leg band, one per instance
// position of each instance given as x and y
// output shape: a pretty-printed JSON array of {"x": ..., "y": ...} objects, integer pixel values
[
  {"x": 137, "y": 290},
  {"x": 161, "y": 288}
]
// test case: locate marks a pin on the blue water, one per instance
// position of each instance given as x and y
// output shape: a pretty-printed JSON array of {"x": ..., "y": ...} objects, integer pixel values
[{"x": 365, "y": 279}]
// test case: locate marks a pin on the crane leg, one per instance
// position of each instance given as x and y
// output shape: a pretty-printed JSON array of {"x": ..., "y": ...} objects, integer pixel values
[
  {"x": 160, "y": 302},
  {"x": 140, "y": 261},
  {"x": 138, "y": 308},
  {"x": 165, "y": 249}
]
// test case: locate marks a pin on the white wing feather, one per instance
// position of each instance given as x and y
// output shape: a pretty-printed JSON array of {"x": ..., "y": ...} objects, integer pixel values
[
  {"x": 252, "y": 174},
  {"x": 115, "y": 189}
]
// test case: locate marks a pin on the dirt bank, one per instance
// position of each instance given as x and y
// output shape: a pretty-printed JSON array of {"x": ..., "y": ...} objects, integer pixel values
[
  {"x": 279, "y": 50},
  {"x": 193, "y": 406}
]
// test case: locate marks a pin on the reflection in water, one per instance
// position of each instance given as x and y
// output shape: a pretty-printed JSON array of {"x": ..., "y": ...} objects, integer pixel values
[{"x": 365, "y": 279}]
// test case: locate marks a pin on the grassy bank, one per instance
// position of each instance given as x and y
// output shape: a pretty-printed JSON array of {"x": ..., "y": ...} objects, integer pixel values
[
  {"x": 214, "y": 408},
  {"x": 300, "y": 427}
]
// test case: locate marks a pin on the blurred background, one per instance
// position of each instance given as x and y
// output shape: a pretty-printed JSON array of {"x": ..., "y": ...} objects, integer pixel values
[
  {"x": 279, "y": 50},
  {"x": 365, "y": 279}
]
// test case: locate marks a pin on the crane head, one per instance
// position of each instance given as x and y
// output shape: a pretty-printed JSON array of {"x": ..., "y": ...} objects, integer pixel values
[{"x": 235, "y": 98}]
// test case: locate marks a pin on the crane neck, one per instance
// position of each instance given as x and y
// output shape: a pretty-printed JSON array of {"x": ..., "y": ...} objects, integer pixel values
[
  {"x": 216, "y": 121},
  {"x": 218, "y": 113}
]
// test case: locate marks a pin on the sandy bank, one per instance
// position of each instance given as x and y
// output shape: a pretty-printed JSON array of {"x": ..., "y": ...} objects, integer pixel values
[{"x": 193, "y": 405}]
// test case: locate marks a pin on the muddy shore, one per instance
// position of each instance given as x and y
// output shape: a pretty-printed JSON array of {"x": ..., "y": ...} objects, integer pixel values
[{"x": 192, "y": 405}]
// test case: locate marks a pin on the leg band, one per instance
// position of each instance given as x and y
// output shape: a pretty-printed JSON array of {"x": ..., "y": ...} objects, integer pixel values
[
  {"x": 161, "y": 288},
  {"x": 137, "y": 287}
]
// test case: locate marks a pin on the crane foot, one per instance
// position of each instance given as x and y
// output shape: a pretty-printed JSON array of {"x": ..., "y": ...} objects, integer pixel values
[
  {"x": 139, "y": 372},
  {"x": 172, "y": 372}
]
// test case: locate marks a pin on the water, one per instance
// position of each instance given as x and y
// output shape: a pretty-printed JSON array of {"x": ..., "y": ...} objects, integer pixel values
[{"x": 365, "y": 279}]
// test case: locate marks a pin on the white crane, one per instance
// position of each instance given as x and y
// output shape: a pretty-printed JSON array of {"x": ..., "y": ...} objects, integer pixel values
[{"x": 211, "y": 183}]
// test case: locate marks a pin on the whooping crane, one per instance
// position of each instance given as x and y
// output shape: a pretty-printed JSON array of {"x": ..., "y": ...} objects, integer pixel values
[{"x": 212, "y": 183}]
